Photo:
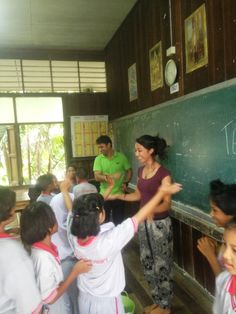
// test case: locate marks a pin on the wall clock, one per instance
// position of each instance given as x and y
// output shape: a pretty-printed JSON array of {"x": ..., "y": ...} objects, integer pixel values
[{"x": 170, "y": 72}]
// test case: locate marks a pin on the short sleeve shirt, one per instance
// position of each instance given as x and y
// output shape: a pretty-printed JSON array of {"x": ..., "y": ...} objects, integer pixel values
[
  {"x": 48, "y": 273},
  {"x": 224, "y": 303},
  {"x": 106, "y": 278},
  {"x": 117, "y": 164},
  {"x": 18, "y": 290}
]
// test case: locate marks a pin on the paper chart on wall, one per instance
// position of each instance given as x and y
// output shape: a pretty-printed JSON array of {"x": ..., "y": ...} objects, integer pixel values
[{"x": 84, "y": 132}]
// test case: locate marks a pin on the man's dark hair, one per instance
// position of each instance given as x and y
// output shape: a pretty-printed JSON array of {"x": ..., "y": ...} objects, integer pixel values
[{"x": 103, "y": 139}]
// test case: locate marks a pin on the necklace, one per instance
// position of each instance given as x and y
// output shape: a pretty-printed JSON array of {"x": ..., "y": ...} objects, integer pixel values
[{"x": 148, "y": 173}]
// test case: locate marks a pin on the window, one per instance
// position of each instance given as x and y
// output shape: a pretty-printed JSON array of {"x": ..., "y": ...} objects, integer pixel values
[
  {"x": 48, "y": 76},
  {"x": 31, "y": 139}
]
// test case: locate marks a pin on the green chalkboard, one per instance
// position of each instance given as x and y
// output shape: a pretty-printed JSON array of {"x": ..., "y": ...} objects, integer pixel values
[{"x": 201, "y": 131}]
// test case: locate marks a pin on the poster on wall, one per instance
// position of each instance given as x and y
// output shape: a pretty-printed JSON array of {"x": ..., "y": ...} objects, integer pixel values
[
  {"x": 156, "y": 70},
  {"x": 132, "y": 79},
  {"x": 84, "y": 132},
  {"x": 196, "y": 49}
]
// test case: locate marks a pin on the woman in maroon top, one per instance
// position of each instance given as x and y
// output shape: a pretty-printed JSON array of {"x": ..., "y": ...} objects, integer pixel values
[{"x": 155, "y": 234}]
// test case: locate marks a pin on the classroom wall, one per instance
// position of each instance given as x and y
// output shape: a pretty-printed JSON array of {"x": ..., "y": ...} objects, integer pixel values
[
  {"x": 76, "y": 105},
  {"x": 147, "y": 24}
]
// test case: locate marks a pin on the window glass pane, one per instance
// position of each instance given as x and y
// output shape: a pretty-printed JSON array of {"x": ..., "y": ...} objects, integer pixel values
[
  {"x": 8, "y": 160},
  {"x": 6, "y": 106},
  {"x": 38, "y": 158},
  {"x": 39, "y": 109}
]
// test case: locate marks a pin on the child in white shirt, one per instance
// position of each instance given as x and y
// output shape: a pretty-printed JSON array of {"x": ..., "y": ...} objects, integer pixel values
[
  {"x": 18, "y": 290},
  {"x": 38, "y": 223},
  {"x": 225, "y": 295},
  {"x": 100, "y": 289}
]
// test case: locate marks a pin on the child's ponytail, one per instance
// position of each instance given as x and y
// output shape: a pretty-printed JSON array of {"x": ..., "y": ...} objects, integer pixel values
[{"x": 86, "y": 210}]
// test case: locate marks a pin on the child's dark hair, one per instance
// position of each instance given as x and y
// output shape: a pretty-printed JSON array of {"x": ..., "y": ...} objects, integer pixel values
[
  {"x": 103, "y": 139},
  {"x": 35, "y": 222},
  {"x": 81, "y": 173},
  {"x": 158, "y": 144},
  {"x": 7, "y": 202},
  {"x": 44, "y": 181},
  {"x": 231, "y": 225},
  {"x": 223, "y": 196},
  {"x": 86, "y": 210}
]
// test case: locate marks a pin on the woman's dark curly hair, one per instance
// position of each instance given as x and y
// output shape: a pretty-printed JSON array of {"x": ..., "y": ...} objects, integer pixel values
[{"x": 86, "y": 210}]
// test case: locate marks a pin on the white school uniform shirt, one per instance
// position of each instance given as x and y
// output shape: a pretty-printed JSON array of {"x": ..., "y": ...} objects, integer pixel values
[
  {"x": 223, "y": 303},
  {"x": 46, "y": 198},
  {"x": 60, "y": 238},
  {"x": 84, "y": 188},
  {"x": 49, "y": 275},
  {"x": 106, "y": 278},
  {"x": 18, "y": 290}
]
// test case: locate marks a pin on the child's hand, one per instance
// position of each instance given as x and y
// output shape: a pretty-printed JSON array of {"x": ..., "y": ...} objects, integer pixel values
[
  {"x": 110, "y": 181},
  {"x": 65, "y": 186},
  {"x": 207, "y": 246},
  {"x": 173, "y": 188},
  {"x": 116, "y": 176},
  {"x": 82, "y": 266}
]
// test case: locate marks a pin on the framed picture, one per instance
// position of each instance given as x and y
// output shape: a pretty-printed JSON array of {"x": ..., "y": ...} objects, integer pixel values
[
  {"x": 196, "y": 49},
  {"x": 132, "y": 79},
  {"x": 156, "y": 69}
]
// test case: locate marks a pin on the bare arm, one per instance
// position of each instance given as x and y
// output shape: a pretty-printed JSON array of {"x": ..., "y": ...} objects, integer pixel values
[
  {"x": 149, "y": 208},
  {"x": 64, "y": 187},
  {"x": 79, "y": 268},
  {"x": 131, "y": 197},
  {"x": 100, "y": 177},
  {"x": 128, "y": 175},
  {"x": 166, "y": 202},
  {"x": 207, "y": 247}
]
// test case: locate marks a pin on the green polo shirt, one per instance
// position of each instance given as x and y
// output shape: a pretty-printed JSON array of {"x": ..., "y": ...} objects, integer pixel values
[{"x": 118, "y": 163}]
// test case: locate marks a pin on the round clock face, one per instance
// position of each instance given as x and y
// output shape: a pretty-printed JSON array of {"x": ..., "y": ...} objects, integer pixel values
[{"x": 170, "y": 72}]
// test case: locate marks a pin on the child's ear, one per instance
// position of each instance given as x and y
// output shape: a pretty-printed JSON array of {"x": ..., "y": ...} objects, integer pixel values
[{"x": 102, "y": 216}]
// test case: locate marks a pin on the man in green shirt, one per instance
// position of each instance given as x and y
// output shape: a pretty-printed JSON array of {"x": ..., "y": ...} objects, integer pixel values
[{"x": 110, "y": 163}]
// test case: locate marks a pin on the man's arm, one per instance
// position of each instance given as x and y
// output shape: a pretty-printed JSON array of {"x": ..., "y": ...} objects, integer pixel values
[{"x": 100, "y": 177}]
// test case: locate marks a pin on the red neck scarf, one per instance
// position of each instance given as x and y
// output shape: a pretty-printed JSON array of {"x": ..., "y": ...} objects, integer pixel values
[
  {"x": 231, "y": 289},
  {"x": 5, "y": 235},
  {"x": 51, "y": 249}
]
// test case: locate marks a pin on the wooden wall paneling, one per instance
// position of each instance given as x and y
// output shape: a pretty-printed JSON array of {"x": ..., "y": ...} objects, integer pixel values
[
  {"x": 177, "y": 242},
  {"x": 229, "y": 9},
  {"x": 209, "y": 277},
  {"x": 113, "y": 70},
  {"x": 140, "y": 54},
  {"x": 158, "y": 94},
  {"x": 147, "y": 34},
  {"x": 131, "y": 58},
  {"x": 178, "y": 39},
  {"x": 199, "y": 261},
  {"x": 81, "y": 104},
  {"x": 216, "y": 49},
  {"x": 187, "y": 248}
]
